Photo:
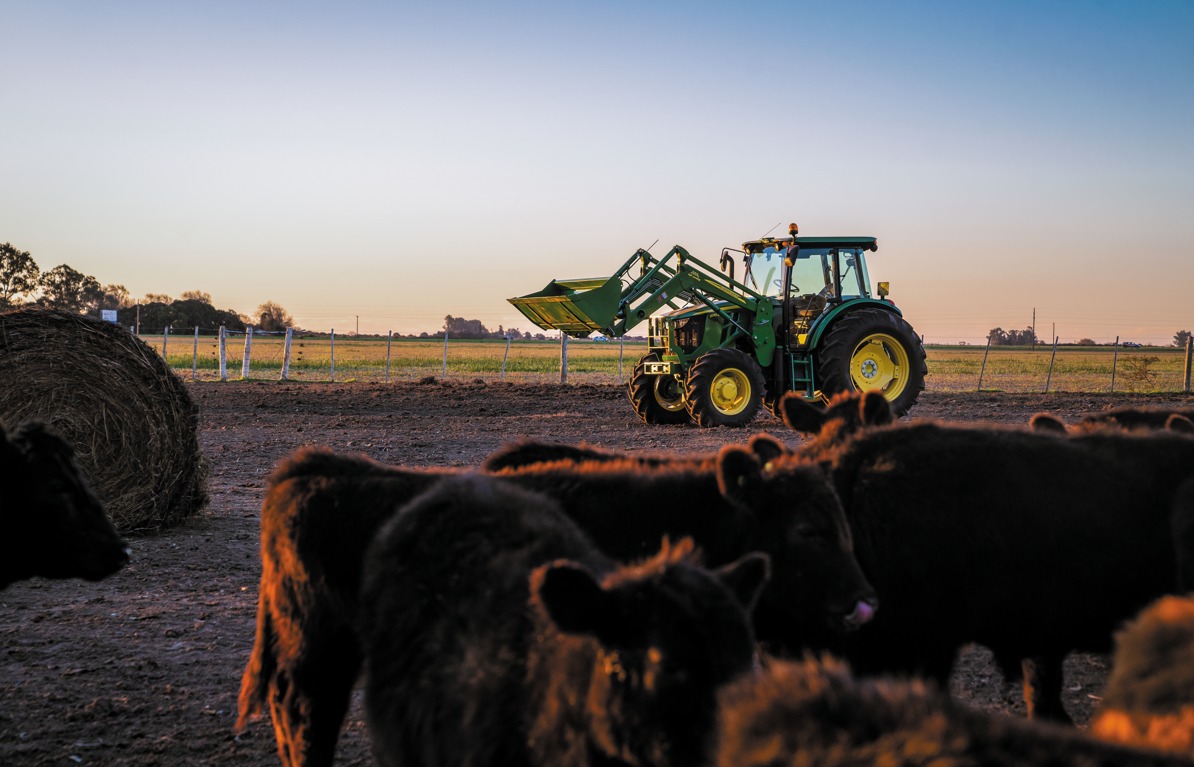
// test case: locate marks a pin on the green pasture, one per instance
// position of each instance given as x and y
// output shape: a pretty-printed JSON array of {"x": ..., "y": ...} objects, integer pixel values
[{"x": 951, "y": 368}]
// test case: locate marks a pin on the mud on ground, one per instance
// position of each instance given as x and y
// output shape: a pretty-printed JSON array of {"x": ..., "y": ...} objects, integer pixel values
[{"x": 144, "y": 667}]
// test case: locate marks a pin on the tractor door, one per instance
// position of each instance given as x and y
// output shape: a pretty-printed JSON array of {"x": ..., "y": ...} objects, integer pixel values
[{"x": 811, "y": 286}]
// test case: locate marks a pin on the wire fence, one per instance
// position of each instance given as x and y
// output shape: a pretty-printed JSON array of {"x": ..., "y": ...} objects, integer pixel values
[{"x": 388, "y": 359}]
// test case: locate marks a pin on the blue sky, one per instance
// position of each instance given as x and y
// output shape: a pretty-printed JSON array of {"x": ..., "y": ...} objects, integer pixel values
[{"x": 399, "y": 162}]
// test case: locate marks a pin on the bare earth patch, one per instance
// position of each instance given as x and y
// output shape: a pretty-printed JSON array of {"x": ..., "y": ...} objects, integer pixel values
[{"x": 144, "y": 667}]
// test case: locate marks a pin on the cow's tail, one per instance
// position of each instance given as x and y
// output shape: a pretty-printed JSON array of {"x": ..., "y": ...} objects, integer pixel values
[{"x": 254, "y": 683}]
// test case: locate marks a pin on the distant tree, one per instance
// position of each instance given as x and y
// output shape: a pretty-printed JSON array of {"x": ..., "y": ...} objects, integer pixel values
[
  {"x": 112, "y": 297},
  {"x": 69, "y": 290},
  {"x": 459, "y": 327},
  {"x": 157, "y": 298},
  {"x": 1180, "y": 338},
  {"x": 1001, "y": 337},
  {"x": 195, "y": 295},
  {"x": 18, "y": 275},
  {"x": 1087, "y": 342},
  {"x": 272, "y": 317}
]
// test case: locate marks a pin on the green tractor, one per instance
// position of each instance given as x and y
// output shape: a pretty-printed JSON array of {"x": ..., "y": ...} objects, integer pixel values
[{"x": 803, "y": 318}]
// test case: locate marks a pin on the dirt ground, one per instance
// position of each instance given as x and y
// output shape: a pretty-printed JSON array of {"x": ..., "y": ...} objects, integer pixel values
[{"x": 143, "y": 668}]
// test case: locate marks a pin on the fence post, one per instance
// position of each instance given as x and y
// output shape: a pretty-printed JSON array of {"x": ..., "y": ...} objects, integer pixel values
[
  {"x": 244, "y": 365},
  {"x": 286, "y": 354},
  {"x": 1114, "y": 361},
  {"x": 502, "y": 376},
  {"x": 165, "y": 337},
  {"x": 389, "y": 342},
  {"x": 1052, "y": 357},
  {"x": 445, "y": 373},
  {"x": 983, "y": 369},
  {"x": 333, "y": 335},
  {"x": 563, "y": 357},
  {"x": 1189, "y": 352},
  {"x": 223, "y": 354},
  {"x": 619, "y": 359},
  {"x": 195, "y": 357}
]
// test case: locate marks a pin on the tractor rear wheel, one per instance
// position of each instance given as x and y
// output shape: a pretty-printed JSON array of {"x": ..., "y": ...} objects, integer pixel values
[
  {"x": 871, "y": 349},
  {"x": 725, "y": 387},
  {"x": 656, "y": 399}
]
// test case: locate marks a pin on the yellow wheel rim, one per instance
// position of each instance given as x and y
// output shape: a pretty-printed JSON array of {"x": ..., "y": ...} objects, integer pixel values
[
  {"x": 668, "y": 394},
  {"x": 880, "y": 363},
  {"x": 729, "y": 391}
]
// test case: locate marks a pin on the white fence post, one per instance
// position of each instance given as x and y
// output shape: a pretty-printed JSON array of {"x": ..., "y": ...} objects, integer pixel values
[
  {"x": 563, "y": 357},
  {"x": 286, "y": 354},
  {"x": 983, "y": 369},
  {"x": 389, "y": 342},
  {"x": 620, "y": 359},
  {"x": 333, "y": 355},
  {"x": 244, "y": 366},
  {"x": 195, "y": 357},
  {"x": 1114, "y": 362},
  {"x": 165, "y": 336},
  {"x": 505, "y": 356},
  {"x": 1049, "y": 377},
  {"x": 1189, "y": 352},
  {"x": 223, "y": 354}
]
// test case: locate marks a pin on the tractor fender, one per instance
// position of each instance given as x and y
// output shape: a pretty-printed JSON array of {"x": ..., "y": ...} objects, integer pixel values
[{"x": 827, "y": 319}]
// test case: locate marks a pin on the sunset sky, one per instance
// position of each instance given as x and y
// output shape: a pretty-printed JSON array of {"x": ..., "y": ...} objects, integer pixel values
[{"x": 399, "y": 162}]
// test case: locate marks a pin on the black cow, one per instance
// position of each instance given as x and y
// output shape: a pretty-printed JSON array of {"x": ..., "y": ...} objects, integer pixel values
[
  {"x": 496, "y": 633},
  {"x": 527, "y": 452},
  {"x": 816, "y": 713},
  {"x": 322, "y": 509},
  {"x": 1031, "y": 543},
  {"x": 53, "y": 525}
]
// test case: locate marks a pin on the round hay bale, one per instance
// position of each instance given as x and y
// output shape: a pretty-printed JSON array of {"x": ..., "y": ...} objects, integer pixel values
[{"x": 132, "y": 422}]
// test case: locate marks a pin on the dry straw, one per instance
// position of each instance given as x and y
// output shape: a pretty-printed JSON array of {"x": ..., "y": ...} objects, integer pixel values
[{"x": 132, "y": 421}]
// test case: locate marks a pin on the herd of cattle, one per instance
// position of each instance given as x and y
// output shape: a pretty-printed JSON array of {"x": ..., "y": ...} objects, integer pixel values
[{"x": 764, "y": 605}]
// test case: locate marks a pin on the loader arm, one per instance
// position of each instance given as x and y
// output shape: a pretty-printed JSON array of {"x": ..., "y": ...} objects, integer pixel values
[{"x": 616, "y": 304}]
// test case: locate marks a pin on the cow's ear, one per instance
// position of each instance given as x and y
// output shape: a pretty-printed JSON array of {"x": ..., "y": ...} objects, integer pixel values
[
  {"x": 576, "y": 603},
  {"x": 1179, "y": 423},
  {"x": 738, "y": 472},
  {"x": 801, "y": 415},
  {"x": 1046, "y": 422},
  {"x": 875, "y": 410},
  {"x": 766, "y": 447},
  {"x": 746, "y": 577}
]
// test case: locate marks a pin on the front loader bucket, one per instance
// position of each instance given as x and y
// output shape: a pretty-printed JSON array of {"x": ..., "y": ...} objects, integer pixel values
[{"x": 576, "y": 307}]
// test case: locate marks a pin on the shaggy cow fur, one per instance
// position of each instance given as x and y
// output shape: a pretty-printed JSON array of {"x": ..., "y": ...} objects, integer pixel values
[
  {"x": 54, "y": 527},
  {"x": 816, "y": 713},
  {"x": 496, "y": 633},
  {"x": 1031, "y": 543},
  {"x": 322, "y": 509},
  {"x": 1149, "y": 696},
  {"x": 527, "y": 452}
]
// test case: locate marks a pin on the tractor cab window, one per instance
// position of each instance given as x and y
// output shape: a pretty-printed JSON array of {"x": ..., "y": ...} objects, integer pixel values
[
  {"x": 812, "y": 272},
  {"x": 856, "y": 283},
  {"x": 766, "y": 272}
]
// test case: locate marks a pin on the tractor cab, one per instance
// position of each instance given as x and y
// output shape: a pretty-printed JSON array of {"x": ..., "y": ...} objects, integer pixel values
[{"x": 807, "y": 277}]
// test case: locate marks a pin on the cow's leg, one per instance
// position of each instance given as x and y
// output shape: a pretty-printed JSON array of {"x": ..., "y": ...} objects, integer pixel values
[
  {"x": 309, "y": 703},
  {"x": 1042, "y": 687}
]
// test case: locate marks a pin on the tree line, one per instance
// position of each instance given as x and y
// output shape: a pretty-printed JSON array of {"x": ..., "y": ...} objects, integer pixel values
[
  {"x": 23, "y": 283},
  {"x": 1027, "y": 337}
]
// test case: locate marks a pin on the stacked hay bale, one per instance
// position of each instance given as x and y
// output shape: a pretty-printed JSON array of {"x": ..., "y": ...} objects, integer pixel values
[{"x": 131, "y": 420}]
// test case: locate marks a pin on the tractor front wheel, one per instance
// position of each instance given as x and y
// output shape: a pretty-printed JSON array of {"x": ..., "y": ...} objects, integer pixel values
[
  {"x": 872, "y": 349},
  {"x": 724, "y": 388},
  {"x": 656, "y": 399}
]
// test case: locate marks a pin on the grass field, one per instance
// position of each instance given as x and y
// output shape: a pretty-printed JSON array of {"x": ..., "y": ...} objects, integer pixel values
[{"x": 951, "y": 368}]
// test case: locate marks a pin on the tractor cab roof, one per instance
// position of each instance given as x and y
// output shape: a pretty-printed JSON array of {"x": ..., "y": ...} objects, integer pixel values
[{"x": 866, "y": 243}]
